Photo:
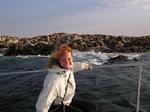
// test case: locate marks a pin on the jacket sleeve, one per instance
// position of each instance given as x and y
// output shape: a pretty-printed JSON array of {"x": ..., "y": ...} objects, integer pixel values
[
  {"x": 47, "y": 95},
  {"x": 80, "y": 66}
]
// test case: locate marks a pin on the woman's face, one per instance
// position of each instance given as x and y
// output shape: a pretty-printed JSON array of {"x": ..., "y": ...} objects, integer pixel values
[{"x": 66, "y": 61}]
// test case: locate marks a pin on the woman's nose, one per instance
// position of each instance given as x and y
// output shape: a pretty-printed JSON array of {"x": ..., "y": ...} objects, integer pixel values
[{"x": 67, "y": 61}]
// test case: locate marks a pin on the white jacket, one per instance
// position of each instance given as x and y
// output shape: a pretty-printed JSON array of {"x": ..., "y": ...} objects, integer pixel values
[{"x": 54, "y": 87}]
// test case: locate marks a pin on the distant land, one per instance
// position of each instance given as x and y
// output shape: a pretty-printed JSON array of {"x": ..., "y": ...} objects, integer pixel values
[{"x": 46, "y": 44}]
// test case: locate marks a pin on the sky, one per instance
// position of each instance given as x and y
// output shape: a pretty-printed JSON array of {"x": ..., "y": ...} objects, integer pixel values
[{"x": 28, "y": 18}]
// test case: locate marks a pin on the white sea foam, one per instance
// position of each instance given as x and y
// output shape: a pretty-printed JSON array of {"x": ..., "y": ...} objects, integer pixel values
[
  {"x": 1, "y": 54},
  {"x": 96, "y": 58},
  {"x": 31, "y": 56},
  {"x": 99, "y": 58}
]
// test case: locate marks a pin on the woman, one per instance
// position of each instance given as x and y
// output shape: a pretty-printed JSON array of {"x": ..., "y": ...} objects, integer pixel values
[{"x": 59, "y": 85}]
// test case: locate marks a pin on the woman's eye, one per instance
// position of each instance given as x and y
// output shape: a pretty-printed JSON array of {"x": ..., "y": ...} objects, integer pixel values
[{"x": 70, "y": 59}]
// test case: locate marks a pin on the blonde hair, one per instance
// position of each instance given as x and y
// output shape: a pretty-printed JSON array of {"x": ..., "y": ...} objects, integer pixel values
[{"x": 60, "y": 51}]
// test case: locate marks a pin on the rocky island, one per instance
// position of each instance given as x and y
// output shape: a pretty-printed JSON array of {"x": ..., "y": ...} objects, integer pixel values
[{"x": 45, "y": 44}]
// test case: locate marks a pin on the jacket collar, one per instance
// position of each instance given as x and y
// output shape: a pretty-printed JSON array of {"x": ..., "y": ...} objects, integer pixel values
[{"x": 60, "y": 71}]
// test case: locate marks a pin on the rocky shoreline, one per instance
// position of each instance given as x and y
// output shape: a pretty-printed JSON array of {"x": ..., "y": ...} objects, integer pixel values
[{"x": 45, "y": 44}]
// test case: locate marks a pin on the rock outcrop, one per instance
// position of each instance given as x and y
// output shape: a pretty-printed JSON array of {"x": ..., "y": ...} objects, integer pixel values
[{"x": 45, "y": 44}]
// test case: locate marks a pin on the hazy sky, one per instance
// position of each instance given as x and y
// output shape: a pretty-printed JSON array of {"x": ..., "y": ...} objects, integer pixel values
[{"x": 27, "y": 18}]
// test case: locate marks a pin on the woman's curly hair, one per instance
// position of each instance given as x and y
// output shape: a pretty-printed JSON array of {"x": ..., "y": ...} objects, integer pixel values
[{"x": 59, "y": 52}]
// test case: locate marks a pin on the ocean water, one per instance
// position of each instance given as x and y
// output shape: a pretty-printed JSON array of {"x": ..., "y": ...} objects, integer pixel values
[{"x": 112, "y": 86}]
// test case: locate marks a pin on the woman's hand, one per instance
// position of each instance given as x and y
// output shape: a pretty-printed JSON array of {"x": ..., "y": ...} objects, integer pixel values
[{"x": 89, "y": 66}]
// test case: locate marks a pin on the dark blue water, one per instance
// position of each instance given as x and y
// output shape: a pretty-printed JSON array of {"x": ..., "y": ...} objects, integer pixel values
[{"x": 113, "y": 89}]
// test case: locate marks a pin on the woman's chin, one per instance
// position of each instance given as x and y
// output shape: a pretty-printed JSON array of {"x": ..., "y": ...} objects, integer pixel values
[{"x": 68, "y": 68}]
